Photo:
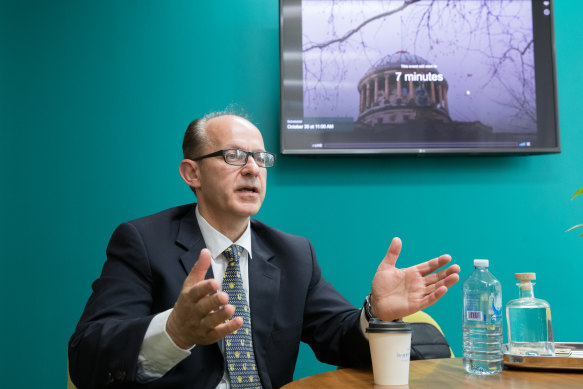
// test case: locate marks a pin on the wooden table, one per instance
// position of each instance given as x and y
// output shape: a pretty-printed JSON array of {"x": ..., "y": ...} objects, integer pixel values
[{"x": 444, "y": 373}]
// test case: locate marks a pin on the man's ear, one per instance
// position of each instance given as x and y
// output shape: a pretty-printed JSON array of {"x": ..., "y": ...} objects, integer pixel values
[{"x": 189, "y": 171}]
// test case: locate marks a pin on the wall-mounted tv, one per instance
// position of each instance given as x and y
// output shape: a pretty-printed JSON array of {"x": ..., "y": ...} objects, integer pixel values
[{"x": 418, "y": 77}]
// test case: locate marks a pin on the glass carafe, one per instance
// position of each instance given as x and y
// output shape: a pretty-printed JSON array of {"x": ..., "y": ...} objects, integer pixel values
[{"x": 530, "y": 330}]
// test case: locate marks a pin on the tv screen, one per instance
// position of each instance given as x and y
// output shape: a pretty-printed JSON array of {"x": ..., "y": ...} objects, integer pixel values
[{"x": 418, "y": 77}]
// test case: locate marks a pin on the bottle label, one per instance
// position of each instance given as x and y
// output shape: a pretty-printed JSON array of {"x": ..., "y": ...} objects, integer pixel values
[
  {"x": 482, "y": 307},
  {"x": 472, "y": 307},
  {"x": 474, "y": 315}
]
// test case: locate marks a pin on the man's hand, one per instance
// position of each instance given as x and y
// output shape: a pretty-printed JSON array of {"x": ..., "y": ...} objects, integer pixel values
[
  {"x": 199, "y": 314},
  {"x": 397, "y": 293}
]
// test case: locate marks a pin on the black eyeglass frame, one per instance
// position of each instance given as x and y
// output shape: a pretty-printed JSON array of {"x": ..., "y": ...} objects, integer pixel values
[{"x": 223, "y": 153}]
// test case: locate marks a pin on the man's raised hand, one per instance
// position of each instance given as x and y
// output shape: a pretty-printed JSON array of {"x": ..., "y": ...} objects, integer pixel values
[
  {"x": 397, "y": 293},
  {"x": 200, "y": 314}
]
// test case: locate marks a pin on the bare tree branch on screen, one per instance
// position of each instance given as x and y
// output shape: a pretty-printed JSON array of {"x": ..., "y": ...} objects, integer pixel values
[{"x": 358, "y": 28}]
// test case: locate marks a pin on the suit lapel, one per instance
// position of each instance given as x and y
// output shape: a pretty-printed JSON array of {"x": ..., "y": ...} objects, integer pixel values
[
  {"x": 190, "y": 238},
  {"x": 264, "y": 280}
]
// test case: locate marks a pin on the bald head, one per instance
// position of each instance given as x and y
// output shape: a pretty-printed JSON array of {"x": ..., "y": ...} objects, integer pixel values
[{"x": 196, "y": 136}]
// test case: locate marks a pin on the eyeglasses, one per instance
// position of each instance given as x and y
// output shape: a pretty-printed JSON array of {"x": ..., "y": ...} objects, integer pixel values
[{"x": 238, "y": 157}]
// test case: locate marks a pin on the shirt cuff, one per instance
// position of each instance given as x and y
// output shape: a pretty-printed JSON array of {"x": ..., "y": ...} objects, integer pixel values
[{"x": 158, "y": 354}]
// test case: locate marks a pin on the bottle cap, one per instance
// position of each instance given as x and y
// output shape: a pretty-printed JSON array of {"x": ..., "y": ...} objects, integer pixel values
[
  {"x": 525, "y": 277},
  {"x": 481, "y": 263}
]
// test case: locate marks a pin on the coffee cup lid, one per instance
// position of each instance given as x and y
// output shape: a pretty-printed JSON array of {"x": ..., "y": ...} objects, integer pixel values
[{"x": 376, "y": 325}]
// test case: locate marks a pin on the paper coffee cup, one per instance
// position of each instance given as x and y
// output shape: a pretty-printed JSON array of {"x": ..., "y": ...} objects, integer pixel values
[{"x": 390, "y": 348}]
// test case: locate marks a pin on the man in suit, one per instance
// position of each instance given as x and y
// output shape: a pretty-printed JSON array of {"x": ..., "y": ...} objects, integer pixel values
[{"x": 162, "y": 314}]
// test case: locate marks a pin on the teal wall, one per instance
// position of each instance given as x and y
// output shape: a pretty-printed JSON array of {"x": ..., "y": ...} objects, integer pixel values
[{"x": 95, "y": 96}]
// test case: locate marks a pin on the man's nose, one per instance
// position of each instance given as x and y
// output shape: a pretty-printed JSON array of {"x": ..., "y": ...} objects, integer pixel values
[{"x": 251, "y": 166}]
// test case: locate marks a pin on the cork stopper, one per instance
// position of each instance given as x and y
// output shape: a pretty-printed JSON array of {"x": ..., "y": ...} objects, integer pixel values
[{"x": 525, "y": 277}]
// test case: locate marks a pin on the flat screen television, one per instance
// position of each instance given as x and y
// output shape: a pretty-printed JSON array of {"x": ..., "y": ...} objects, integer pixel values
[{"x": 418, "y": 77}]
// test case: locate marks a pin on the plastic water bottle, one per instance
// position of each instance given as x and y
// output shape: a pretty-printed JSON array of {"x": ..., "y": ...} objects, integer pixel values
[{"x": 482, "y": 321}]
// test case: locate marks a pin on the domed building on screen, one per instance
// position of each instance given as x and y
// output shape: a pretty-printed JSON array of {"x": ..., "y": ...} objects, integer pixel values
[
  {"x": 402, "y": 87},
  {"x": 407, "y": 94}
]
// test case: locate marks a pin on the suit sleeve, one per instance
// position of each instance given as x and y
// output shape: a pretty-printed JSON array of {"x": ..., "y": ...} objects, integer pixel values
[
  {"x": 332, "y": 324},
  {"x": 105, "y": 345}
]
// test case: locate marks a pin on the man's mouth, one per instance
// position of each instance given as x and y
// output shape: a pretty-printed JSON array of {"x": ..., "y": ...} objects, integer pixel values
[{"x": 248, "y": 189}]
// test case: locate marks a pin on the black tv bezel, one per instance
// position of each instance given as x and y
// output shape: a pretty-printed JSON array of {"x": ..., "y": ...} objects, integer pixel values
[{"x": 415, "y": 151}]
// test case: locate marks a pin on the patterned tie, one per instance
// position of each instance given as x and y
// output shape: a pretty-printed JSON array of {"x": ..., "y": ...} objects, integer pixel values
[{"x": 239, "y": 344}]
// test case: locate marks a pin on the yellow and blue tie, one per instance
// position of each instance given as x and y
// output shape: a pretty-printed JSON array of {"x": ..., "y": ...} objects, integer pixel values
[{"x": 239, "y": 345}]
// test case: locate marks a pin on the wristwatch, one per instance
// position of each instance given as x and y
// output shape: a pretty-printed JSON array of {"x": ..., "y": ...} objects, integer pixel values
[
  {"x": 368, "y": 308},
  {"x": 368, "y": 314}
]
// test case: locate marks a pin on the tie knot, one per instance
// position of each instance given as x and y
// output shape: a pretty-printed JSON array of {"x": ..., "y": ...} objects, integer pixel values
[{"x": 233, "y": 252}]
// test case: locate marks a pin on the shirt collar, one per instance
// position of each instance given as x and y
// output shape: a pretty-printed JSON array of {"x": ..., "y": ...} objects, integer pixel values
[{"x": 217, "y": 242}]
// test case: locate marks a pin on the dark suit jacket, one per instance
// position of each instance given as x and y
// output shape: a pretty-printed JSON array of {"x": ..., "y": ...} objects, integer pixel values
[{"x": 147, "y": 262}]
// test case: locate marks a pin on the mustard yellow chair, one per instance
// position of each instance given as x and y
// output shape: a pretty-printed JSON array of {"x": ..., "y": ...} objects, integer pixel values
[{"x": 423, "y": 317}]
